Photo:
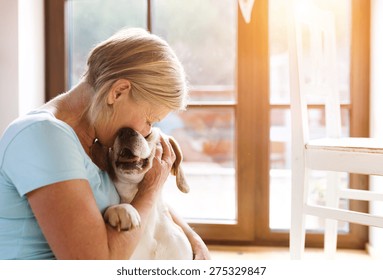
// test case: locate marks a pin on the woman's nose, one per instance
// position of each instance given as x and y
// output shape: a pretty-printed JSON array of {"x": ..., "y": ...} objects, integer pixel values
[{"x": 147, "y": 132}]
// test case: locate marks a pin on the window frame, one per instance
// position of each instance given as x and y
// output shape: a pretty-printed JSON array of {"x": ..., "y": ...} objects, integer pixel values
[{"x": 252, "y": 111}]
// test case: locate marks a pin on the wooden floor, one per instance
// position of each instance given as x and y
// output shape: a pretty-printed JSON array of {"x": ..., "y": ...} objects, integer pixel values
[
  {"x": 278, "y": 253},
  {"x": 348, "y": 264}
]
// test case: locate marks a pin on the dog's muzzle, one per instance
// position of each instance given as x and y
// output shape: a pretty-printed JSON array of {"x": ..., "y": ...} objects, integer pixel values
[{"x": 127, "y": 161}]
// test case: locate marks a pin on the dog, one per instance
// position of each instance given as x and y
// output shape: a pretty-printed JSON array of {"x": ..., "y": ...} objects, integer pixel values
[{"x": 130, "y": 158}]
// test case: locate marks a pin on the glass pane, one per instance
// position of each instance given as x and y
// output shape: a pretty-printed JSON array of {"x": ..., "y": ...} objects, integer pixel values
[
  {"x": 203, "y": 33},
  {"x": 207, "y": 50},
  {"x": 279, "y": 68},
  {"x": 91, "y": 21},
  {"x": 280, "y": 169},
  {"x": 206, "y": 137}
]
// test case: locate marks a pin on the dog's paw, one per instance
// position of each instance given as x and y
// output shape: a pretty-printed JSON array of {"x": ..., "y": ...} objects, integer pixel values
[{"x": 122, "y": 216}]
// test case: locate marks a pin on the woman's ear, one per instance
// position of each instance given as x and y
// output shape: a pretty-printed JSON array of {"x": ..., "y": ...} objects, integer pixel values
[{"x": 119, "y": 88}]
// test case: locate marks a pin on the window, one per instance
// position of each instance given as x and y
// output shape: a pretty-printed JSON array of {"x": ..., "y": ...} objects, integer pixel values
[{"x": 235, "y": 132}]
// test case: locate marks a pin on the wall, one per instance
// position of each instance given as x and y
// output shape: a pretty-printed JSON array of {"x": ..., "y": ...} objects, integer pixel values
[
  {"x": 376, "y": 117},
  {"x": 9, "y": 83},
  {"x": 31, "y": 54},
  {"x": 21, "y": 58}
]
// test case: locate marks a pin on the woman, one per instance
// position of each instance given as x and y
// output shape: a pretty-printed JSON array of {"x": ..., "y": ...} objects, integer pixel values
[{"x": 53, "y": 189}]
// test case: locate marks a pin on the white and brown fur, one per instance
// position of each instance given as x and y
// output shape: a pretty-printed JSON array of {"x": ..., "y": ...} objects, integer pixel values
[{"x": 130, "y": 158}]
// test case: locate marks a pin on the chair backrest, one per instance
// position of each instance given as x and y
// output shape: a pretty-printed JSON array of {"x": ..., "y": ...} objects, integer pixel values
[{"x": 313, "y": 71}]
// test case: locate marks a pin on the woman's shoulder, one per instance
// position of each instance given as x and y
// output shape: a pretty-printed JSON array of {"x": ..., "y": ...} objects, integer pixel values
[
  {"x": 37, "y": 149},
  {"x": 37, "y": 126},
  {"x": 35, "y": 122}
]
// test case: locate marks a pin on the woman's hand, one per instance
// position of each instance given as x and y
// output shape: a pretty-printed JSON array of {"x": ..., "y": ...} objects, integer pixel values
[{"x": 162, "y": 164}]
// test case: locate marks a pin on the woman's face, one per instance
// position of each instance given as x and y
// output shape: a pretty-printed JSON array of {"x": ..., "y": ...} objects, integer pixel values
[{"x": 139, "y": 116}]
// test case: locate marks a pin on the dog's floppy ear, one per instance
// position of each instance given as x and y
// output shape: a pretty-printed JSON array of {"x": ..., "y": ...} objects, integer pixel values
[{"x": 177, "y": 168}]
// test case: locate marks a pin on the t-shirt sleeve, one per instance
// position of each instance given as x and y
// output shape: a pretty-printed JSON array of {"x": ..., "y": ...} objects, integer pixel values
[{"x": 41, "y": 154}]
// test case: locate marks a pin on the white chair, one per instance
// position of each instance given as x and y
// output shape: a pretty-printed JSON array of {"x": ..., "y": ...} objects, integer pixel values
[{"x": 314, "y": 73}]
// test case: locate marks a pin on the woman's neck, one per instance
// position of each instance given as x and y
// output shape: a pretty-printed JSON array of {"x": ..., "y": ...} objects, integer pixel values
[{"x": 72, "y": 108}]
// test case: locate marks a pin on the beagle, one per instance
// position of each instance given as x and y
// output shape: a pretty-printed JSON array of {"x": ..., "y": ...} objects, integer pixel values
[{"x": 130, "y": 158}]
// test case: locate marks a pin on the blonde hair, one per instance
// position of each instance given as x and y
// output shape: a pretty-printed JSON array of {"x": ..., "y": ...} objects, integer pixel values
[{"x": 147, "y": 61}]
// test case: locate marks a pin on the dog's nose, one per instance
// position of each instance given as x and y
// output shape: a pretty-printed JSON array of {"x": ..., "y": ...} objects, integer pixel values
[
  {"x": 127, "y": 132},
  {"x": 126, "y": 153}
]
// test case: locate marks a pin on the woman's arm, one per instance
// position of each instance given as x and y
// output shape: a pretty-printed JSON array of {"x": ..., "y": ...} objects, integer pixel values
[
  {"x": 73, "y": 225},
  {"x": 200, "y": 250}
]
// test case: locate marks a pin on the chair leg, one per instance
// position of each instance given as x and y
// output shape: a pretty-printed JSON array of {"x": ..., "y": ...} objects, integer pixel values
[
  {"x": 331, "y": 226},
  {"x": 330, "y": 238},
  {"x": 297, "y": 234},
  {"x": 298, "y": 199}
]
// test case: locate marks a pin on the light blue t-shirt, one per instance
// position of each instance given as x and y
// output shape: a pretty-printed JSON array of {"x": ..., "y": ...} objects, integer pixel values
[{"x": 37, "y": 150}]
